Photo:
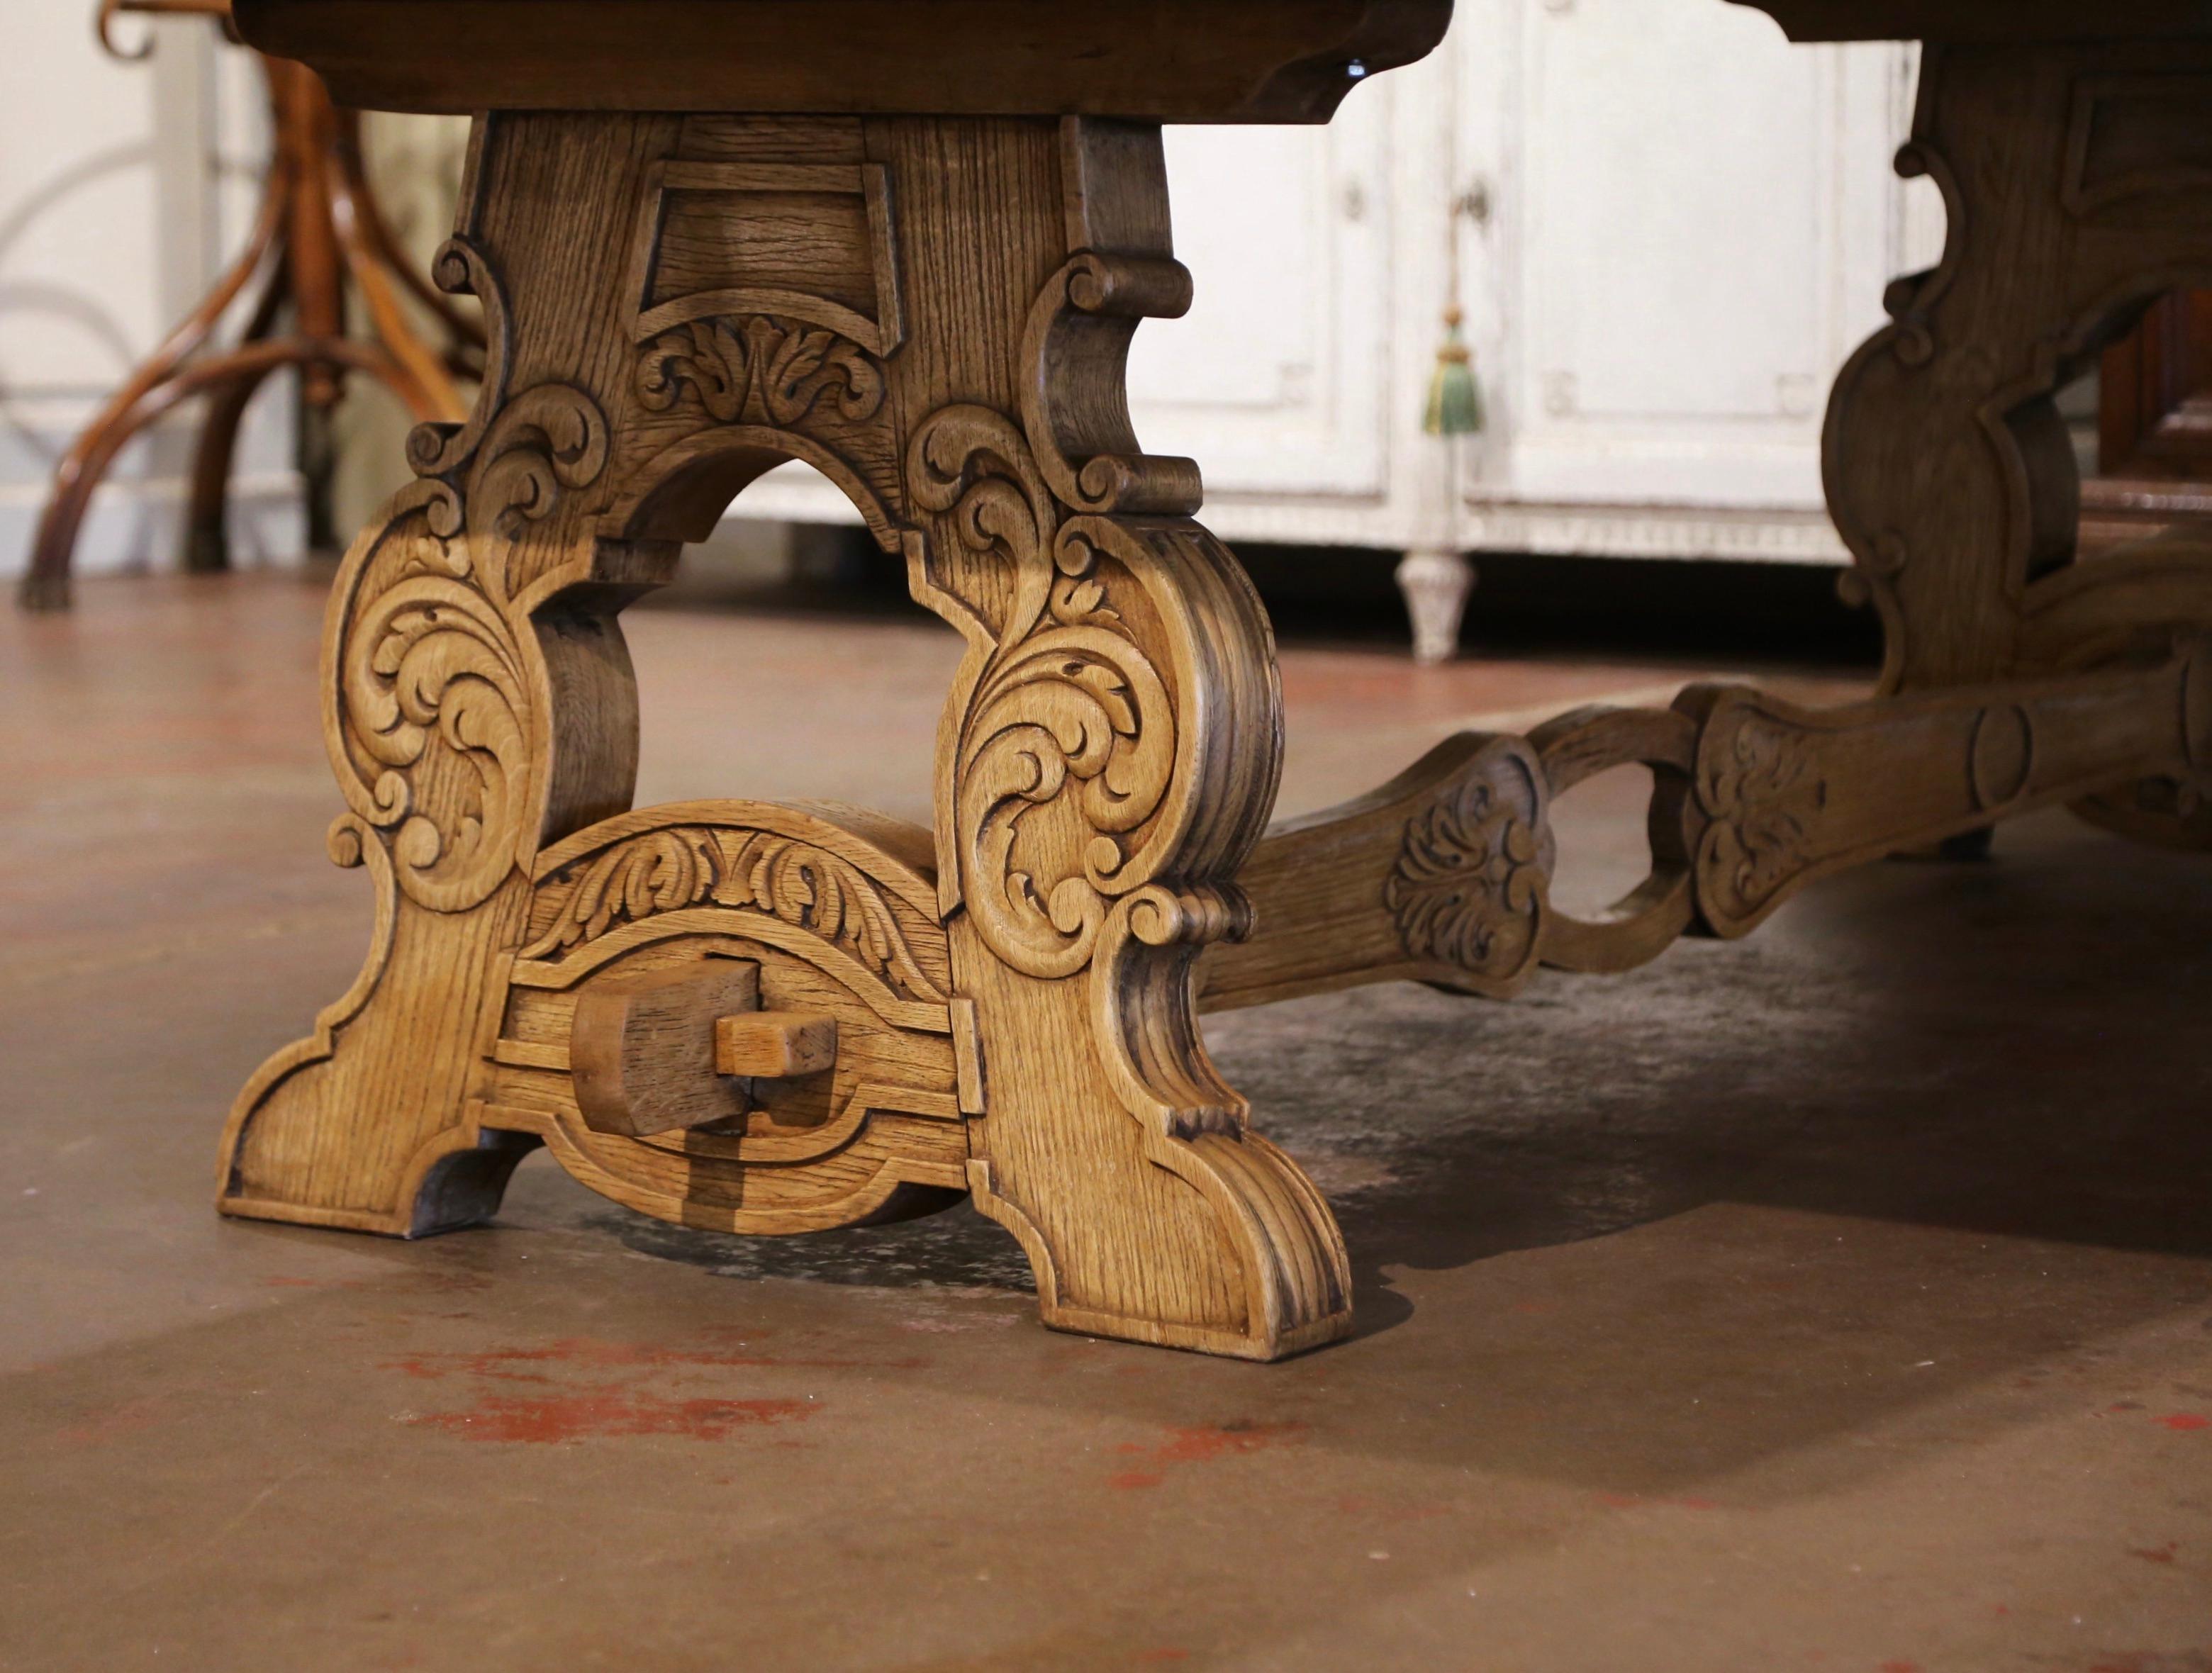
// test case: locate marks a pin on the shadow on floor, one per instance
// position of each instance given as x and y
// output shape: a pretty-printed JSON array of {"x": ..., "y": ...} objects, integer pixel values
[{"x": 2010, "y": 1048}]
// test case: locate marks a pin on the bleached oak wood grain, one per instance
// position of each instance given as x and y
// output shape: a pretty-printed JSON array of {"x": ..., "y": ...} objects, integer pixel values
[{"x": 933, "y": 309}]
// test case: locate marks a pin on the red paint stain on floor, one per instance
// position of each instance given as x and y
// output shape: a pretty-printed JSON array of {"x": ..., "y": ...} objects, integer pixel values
[
  {"x": 1630, "y": 1501},
  {"x": 113, "y": 1424},
  {"x": 1389, "y": 1511},
  {"x": 2154, "y": 1552},
  {"x": 1202, "y": 1444},
  {"x": 1900, "y": 1667},
  {"x": 449, "y": 1281},
  {"x": 611, "y": 1412},
  {"x": 1208, "y": 1441},
  {"x": 582, "y": 1388},
  {"x": 590, "y": 1353},
  {"x": 2185, "y": 1421}
]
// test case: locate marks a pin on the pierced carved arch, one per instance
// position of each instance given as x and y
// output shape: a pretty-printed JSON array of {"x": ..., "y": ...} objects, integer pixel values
[{"x": 681, "y": 492}]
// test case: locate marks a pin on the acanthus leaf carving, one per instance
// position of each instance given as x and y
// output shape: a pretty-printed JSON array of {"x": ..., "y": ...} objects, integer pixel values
[
  {"x": 759, "y": 369},
  {"x": 1763, "y": 792},
  {"x": 432, "y": 670},
  {"x": 668, "y": 869},
  {"x": 1469, "y": 884}
]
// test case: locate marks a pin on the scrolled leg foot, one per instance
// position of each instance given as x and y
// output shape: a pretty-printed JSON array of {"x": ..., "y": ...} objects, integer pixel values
[
  {"x": 437, "y": 722},
  {"x": 1110, "y": 755}
]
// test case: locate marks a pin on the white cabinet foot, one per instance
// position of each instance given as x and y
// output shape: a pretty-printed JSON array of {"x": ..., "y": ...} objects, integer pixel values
[{"x": 1436, "y": 584}]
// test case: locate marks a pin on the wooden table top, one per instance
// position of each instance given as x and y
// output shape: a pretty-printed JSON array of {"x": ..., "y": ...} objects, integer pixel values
[
  {"x": 1163, "y": 60},
  {"x": 1988, "y": 20}
]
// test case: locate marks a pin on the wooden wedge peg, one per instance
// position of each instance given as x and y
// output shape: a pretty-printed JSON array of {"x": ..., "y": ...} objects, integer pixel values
[
  {"x": 776, "y": 1044},
  {"x": 643, "y": 1050}
]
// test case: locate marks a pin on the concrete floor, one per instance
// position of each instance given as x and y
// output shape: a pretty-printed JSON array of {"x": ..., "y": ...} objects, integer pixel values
[{"x": 1837, "y": 1299}]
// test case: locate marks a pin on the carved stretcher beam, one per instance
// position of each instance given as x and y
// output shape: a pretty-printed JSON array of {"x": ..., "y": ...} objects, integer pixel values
[{"x": 1444, "y": 874}]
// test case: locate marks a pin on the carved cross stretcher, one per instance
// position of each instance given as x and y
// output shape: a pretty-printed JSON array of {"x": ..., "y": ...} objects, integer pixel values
[{"x": 908, "y": 241}]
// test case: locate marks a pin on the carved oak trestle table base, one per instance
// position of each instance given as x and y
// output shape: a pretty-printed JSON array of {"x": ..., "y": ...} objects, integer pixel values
[{"x": 770, "y": 1018}]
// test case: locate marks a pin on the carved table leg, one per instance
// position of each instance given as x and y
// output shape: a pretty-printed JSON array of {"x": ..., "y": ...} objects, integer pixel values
[
  {"x": 933, "y": 313},
  {"x": 207, "y": 532},
  {"x": 318, "y": 226},
  {"x": 2074, "y": 177},
  {"x": 2072, "y": 174},
  {"x": 1109, "y": 758}
]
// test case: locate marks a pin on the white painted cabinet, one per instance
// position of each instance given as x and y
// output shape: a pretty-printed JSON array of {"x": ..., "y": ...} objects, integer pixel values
[
  {"x": 1695, "y": 223},
  {"x": 1277, "y": 380},
  {"x": 1689, "y": 225},
  {"x": 1686, "y": 225}
]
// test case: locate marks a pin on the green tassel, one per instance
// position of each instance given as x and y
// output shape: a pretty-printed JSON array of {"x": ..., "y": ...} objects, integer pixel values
[{"x": 1455, "y": 399}]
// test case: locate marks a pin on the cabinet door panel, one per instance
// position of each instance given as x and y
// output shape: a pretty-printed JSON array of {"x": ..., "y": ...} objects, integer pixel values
[
  {"x": 1677, "y": 156},
  {"x": 1278, "y": 379},
  {"x": 1701, "y": 242}
]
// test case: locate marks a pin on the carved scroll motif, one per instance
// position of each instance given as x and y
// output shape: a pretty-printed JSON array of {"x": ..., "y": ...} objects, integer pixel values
[
  {"x": 668, "y": 869},
  {"x": 462, "y": 269},
  {"x": 1469, "y": 887},
  {"x": 1078, "y": 337},
  {"x": 432, "y": 683},
  {"x": 431, "y": 693},
  {"x": 759, "y": 369},
  {"x": 1068, "y": 744}
]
